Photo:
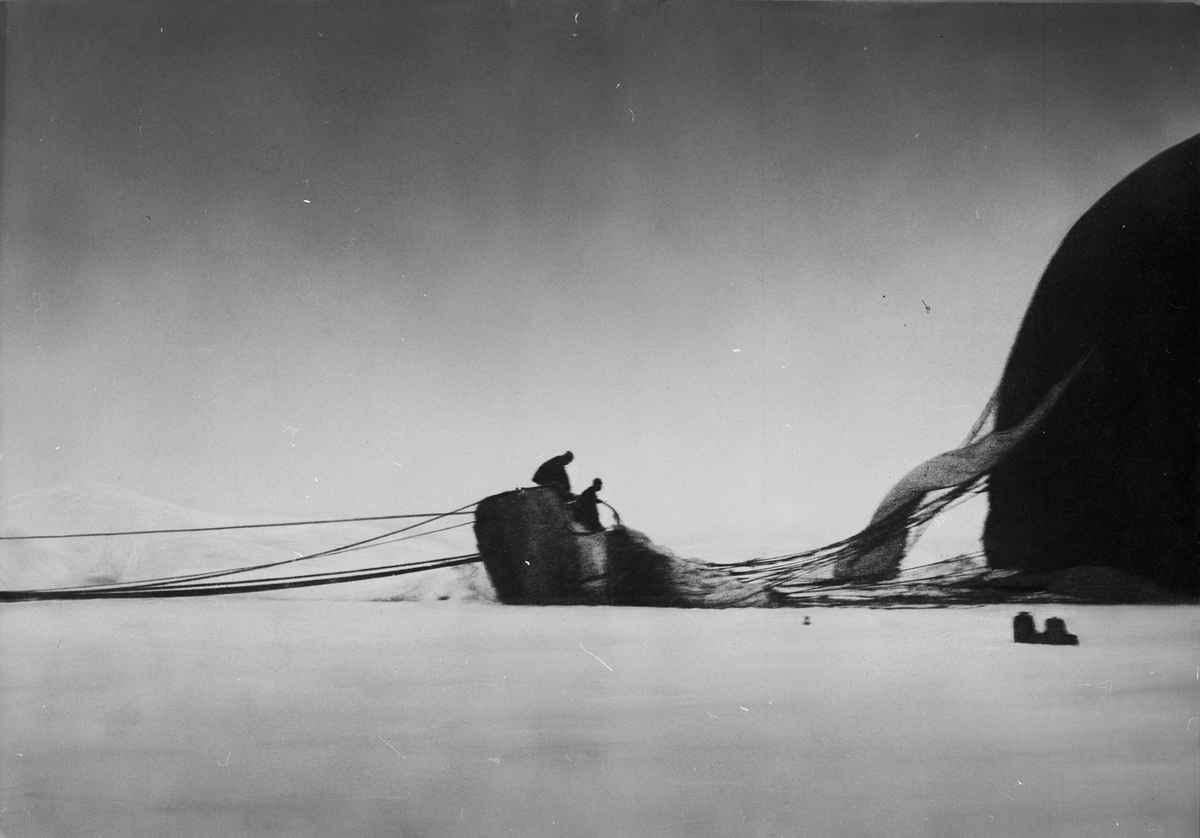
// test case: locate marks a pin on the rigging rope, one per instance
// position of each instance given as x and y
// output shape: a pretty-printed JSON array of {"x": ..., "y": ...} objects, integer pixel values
[
  {"x": 249, "y": 586},
  {"x": 805, "y": 567},
  {"x": 215, "y": 574},
  {"x": 237, "y": 526},
  {"x": 875, "y": 553},
  {"x": 200, "y": 584},
  {"x": 404, "y": 537}
]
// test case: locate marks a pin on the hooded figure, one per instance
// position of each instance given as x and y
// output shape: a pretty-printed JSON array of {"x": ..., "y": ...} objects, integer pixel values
[
  {"x": 586, "y": 511},
  {"x": 553, "y": 473}
]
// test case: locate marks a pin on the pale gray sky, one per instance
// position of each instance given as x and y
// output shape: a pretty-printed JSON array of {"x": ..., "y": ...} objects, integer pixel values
[{"x": 751, "y": 263}]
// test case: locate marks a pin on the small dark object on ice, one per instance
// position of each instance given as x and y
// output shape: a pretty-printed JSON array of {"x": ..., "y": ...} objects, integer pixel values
[
  {"x": 807, "y": 622},
  {"x": 1025, "y": 631}
]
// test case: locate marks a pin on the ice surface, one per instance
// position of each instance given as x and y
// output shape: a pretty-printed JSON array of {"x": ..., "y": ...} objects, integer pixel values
[{"x": 247, "y": 717}]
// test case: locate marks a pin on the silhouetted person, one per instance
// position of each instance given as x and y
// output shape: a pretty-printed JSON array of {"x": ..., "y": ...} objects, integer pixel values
[
  {"x": 586, "y": 511},
  {"x": 553, "y": 473}
]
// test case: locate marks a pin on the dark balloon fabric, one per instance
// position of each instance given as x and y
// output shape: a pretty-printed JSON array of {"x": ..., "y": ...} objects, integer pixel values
[{"x": 1109, "y": 478}]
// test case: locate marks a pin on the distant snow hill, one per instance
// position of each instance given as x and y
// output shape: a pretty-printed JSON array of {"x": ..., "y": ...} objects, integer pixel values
[{"x": 55, "y": 563}]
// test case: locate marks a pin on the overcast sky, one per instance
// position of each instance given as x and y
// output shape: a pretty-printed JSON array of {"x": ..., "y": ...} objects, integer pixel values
[{"x": 751, "y": 263}]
